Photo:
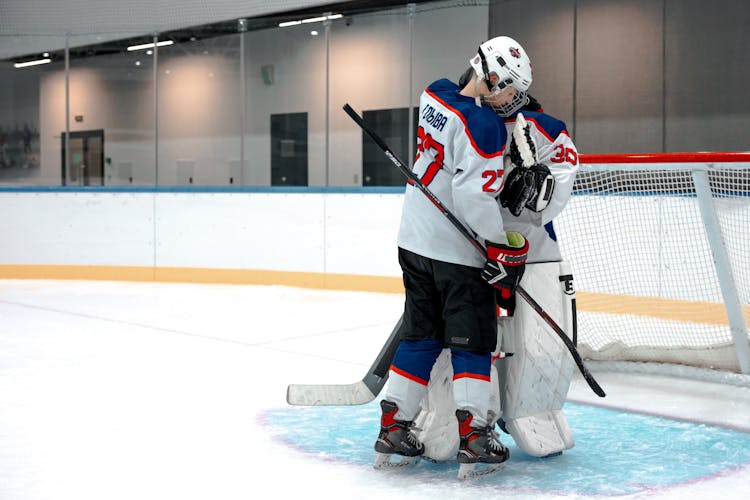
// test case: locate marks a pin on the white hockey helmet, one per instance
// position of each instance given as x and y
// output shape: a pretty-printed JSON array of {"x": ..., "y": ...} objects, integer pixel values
[{"x": 500, "y": 62}]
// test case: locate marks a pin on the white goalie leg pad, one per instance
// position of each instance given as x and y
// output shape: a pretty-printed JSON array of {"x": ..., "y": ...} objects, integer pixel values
[
  {"x": 436, "y": 426},
  {"x": 534, "y": 382}
]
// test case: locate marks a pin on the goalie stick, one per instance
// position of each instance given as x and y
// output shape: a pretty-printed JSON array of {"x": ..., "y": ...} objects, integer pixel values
[
  {"x": 480, "y": 248},
  {"x": 358, "y": 393}
]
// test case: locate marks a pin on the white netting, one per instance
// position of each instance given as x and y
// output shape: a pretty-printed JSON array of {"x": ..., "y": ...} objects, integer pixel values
[{"x": 648, "y": 288}]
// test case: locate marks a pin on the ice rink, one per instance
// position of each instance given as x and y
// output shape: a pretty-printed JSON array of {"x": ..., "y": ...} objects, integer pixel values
[{"x": 115, "y": 390}]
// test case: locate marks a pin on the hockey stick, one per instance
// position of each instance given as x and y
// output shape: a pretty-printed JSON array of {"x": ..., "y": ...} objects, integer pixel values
[
  {"x": 358, "y": 393},
  {"x": 416, "y": 181}
]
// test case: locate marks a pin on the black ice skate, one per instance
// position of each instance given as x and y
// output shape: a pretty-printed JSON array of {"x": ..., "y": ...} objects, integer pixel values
[
  {"x": 396, "y": 445},
  {"x": 478, "y": 445}
]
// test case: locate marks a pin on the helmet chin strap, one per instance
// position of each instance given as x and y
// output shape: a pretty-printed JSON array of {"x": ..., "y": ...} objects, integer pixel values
[
  {"x": 485, "y": 69},
  {"x": 482, "y": 98}
]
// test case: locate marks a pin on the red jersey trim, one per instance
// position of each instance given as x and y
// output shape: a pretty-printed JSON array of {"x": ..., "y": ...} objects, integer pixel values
[
  {"x": 408, "y": 375},
  {"x": 471, "y": 375},
  {"x": 539, "y": 128}
]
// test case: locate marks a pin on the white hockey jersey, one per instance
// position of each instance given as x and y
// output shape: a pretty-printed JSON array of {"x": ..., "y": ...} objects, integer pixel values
[
  {"x": 556, "y": 150},
  {"x": 460, "y": 160}
]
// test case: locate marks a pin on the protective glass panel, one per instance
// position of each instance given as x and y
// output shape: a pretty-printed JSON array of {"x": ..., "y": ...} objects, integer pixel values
[
  {"x": 370, "y": 65},
  {"x": 199, "y": 121},
  {"x": 32, "y": 99},
  {"x": 111, "y": 115},
  {"x": 285, "y": 114}
]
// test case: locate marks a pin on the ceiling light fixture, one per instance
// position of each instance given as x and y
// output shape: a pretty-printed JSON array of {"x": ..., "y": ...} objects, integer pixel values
[
  {"x": 314, "y": 19},
  {"x": 36, "y": 62},
  {"x": 311, "y": 20},
  {"x": 149, "y": 45}
]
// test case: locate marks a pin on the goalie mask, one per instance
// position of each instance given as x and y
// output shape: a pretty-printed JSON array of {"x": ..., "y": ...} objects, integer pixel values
[{"x": 502, "y": 62}]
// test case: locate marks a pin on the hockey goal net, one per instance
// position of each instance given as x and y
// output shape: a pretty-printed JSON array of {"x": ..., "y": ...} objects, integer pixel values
[{"x": 660, "y": 249}]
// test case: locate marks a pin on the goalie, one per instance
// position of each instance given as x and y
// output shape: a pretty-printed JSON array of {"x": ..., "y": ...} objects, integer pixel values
[{"x": 531, "y": 369}]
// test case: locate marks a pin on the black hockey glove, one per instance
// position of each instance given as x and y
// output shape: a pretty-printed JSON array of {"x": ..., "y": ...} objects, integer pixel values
[
  {"x": 528, "y": 183},
  {"x": 505, "y": 266},
  {"x": 527, "y": 187}
]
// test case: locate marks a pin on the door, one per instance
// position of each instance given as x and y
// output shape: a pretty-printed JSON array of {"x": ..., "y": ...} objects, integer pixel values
[
  {"x": 289, "y": 149},
  {"x": 85, "y": 159}
]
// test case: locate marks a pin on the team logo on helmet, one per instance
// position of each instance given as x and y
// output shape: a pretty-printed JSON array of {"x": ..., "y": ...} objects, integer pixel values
[{"x": 515, "y": 52}]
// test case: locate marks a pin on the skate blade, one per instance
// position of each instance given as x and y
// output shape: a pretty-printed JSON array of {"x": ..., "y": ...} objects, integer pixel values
[
  {"x": 393, "y": 461},
  {"x": 468, "y": 471}
]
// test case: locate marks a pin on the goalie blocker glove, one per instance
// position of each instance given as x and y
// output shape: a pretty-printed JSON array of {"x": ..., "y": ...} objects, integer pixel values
[
  {"x": 530, "y": 187},
  {"x": 505, "y": 266}
]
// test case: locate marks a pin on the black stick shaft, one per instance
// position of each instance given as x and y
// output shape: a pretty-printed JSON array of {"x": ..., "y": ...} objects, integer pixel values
[{"x": 416, "y": 180}]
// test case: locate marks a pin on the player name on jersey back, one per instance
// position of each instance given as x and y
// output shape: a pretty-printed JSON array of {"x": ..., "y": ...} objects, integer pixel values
[{"x": 434, "y": 117}]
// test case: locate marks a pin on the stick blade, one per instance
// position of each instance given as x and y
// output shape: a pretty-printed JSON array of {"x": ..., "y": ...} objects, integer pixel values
[
  {"x": 329, "y": 395},
  {"x": 358, "y": 393}
]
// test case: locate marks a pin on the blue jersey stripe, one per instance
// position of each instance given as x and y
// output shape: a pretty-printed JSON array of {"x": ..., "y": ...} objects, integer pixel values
[{"x": 485, "y": 130}]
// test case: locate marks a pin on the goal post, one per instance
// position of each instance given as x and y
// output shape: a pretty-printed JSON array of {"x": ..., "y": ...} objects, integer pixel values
[{"x": 660, "y": 249}]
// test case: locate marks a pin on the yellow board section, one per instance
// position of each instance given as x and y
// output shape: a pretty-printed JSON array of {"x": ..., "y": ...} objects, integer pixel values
[
  {"x": 667, "y": 309},
  {"x": 54, "y": 272},
  {"x": 327, "y": 281},
  {"x": 670, "y": 309}
]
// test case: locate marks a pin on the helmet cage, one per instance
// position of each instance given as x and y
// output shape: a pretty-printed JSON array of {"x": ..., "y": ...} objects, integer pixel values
[{"x": 519, "y": 100}]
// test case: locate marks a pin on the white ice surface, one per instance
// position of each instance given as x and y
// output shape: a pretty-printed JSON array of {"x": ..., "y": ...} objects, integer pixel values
[{"x": 154, "y": 391}]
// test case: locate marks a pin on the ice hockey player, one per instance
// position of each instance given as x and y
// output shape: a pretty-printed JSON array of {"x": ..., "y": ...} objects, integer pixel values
[
  {"x": 530, "y": 387},
  {"x": 449, "y": 303}
]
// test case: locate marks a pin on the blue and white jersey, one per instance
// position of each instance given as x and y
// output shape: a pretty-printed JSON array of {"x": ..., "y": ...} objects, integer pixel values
[
  {"x": 556, "y": 150},
  {"x": 460, "y": 160}
]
